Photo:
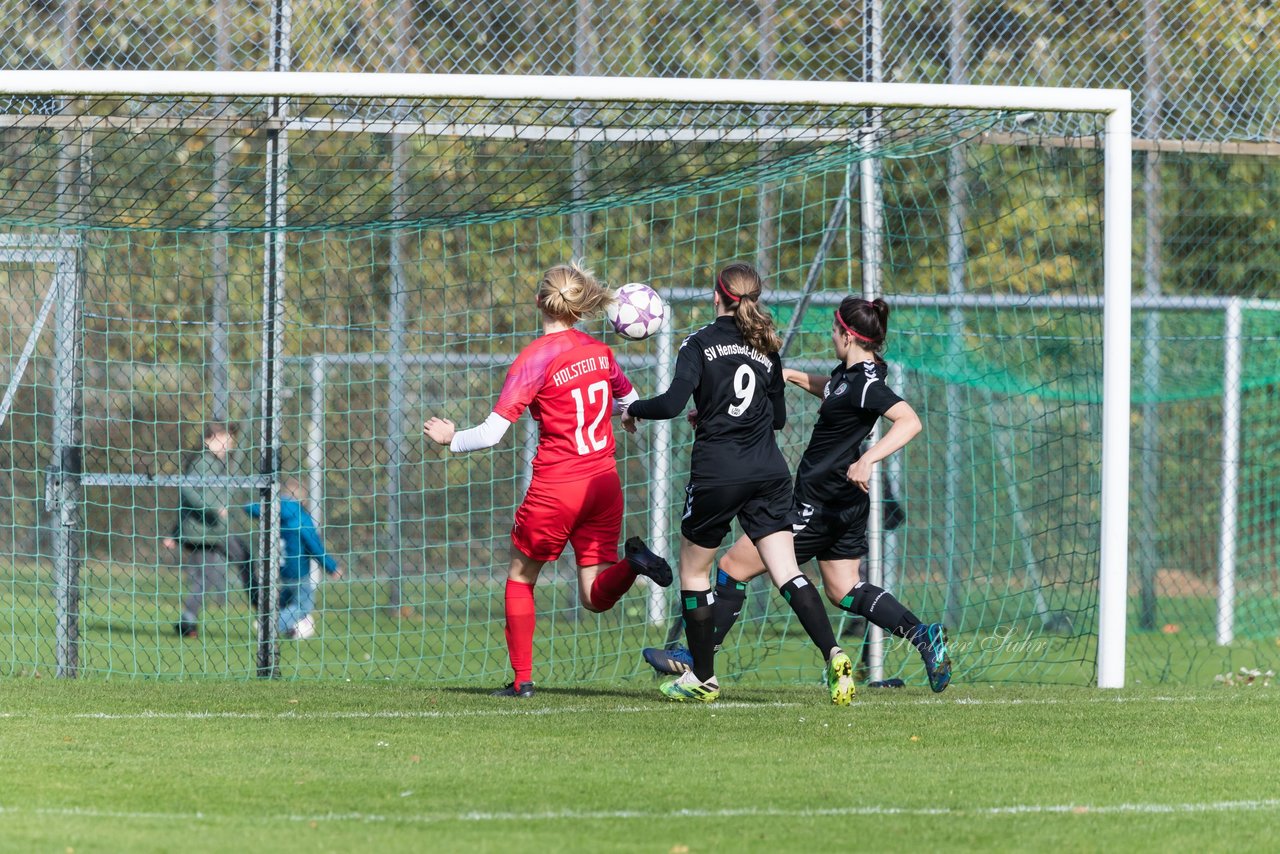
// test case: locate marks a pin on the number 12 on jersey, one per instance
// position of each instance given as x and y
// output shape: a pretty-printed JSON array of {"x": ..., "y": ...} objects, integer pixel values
[{"x": 582, "y": 433}]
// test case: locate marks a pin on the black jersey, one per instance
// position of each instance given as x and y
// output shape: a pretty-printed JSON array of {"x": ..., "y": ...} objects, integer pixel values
[
  {"x": 853, "y": 400},
  {"x": 738, "y": 393}
]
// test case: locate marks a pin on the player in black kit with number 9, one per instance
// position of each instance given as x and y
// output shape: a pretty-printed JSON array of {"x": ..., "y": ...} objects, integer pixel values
[
  {"x": 831, "y": 502},
  {"x": 732, "y": 370}
]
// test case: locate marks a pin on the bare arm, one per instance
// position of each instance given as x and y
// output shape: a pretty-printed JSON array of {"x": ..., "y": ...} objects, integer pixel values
[
  {"x": 906, "y": 424},
  {"x": 812, "y": 383}
]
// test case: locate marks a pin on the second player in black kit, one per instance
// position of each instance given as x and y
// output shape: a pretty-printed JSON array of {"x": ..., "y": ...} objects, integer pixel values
[
  {"x": 831, "y": 501},
  {"x": 832, "y": 512},
  {"x": 732, "y": 371}
]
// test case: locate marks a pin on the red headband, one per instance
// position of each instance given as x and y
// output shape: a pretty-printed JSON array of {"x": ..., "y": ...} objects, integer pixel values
[
  {"x": 862, "y": 338},
  {"x": 725, "y": 291}
]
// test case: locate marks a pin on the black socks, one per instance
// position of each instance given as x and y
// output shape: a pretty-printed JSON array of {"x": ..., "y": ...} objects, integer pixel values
[
  {"x": 803, "y": 598},
  {"x": 730, "y": 597},
  {"x": 700, "y": 631},
  {"x": 800, "y": 594},
  {"x": 880, "y": 608}
]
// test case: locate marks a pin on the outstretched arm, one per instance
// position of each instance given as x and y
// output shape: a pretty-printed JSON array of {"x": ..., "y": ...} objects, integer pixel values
[
  {"x": 524, "y": 379},
  {"x": 443, "y": 432},
  {"x": 667, "y": 405},
  {"x": 812, "y": 383},
  {"x": 906, "y": 424},
  {"x": 313, "y": 546}
]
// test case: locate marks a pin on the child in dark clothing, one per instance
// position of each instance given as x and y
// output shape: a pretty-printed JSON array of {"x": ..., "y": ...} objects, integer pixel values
[{"x": 210, "y": 543}]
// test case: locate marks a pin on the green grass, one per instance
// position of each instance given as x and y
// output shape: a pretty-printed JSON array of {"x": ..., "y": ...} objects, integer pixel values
[{"x": 181, "y": 766}]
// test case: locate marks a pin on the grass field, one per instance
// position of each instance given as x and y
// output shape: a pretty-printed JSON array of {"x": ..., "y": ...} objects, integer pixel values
[{"x": 200, "y": 766}]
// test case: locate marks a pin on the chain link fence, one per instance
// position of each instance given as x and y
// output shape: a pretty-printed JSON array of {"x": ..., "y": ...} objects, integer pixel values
[{"x": 1200, "y": 71}]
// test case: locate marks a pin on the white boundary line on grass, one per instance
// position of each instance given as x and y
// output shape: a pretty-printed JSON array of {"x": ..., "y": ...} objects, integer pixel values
[{"x": 650, "y": 815}]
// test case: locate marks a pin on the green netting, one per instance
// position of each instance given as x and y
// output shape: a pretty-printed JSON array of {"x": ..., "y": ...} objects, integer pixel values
[
  {"x": 198, "y": 165},
  {"x": 414, "y": 233}
]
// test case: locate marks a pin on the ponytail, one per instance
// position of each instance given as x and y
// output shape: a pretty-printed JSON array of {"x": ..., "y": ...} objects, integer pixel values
[
  {"x": 569, "y": 292},
  {"x": 740, "y": 287}
]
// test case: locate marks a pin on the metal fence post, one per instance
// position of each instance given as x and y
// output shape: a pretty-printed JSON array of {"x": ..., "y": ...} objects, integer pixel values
[
  {"x": 1231, "y": 376},
  {"x": 1149, "y": 453},
  {"x": 273, "y": 290},
  {"x": 66, "y": 489},
  {"x": 397, "y": 307}
]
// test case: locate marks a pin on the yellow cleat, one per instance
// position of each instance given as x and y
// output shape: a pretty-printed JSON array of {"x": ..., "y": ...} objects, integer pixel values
[{"x": 840, "y": 680}]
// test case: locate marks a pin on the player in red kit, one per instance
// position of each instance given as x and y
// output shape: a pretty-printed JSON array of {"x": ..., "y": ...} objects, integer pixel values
[{"x": 572, "y": 386}]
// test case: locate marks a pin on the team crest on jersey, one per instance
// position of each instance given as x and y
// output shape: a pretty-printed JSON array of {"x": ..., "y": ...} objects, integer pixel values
[{"x": 841, "y": 389}]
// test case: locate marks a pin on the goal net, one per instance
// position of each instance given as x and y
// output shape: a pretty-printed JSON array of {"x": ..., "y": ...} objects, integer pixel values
[{"x": 325, "y": 270}]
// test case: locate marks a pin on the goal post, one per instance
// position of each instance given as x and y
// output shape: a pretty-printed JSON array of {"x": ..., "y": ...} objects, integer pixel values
[
  {"x": 484, "y": 174},
  {"x": 1113, "y": 595}
]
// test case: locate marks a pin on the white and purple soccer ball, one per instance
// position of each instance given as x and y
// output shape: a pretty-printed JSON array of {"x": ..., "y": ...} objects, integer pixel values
[{"x": 637, "y": 311}]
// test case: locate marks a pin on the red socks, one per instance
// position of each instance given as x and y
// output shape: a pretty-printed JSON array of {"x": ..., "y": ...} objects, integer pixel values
[
  {"x": 611, "y": 584},
  {"x": 521, "y": 619},
  {"x": 606, "y": 590}
]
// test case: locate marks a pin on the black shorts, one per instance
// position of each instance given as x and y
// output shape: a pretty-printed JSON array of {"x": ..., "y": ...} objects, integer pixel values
[
  {"x": 830, "y": 533},
  {"x": 762, "y": 508}
]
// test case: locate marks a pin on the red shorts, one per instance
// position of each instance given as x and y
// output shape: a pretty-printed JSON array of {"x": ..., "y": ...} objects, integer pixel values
[{"x": 586, "y": 513}]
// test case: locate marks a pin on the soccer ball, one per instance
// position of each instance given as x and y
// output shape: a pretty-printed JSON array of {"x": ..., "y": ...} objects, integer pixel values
[{"x": 637, "y": 311}]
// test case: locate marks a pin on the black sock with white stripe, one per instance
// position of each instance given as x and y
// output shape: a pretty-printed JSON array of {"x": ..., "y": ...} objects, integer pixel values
[
  {"x": 731, "y": 595},
  {"x": 804, "y": 600},
  {"x": 880, "y": 608},
  {"x": 700, "y": 631}
]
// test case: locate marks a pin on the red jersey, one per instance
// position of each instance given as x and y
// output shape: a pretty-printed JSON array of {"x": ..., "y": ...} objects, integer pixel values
[{"x": 569, "y": 381}]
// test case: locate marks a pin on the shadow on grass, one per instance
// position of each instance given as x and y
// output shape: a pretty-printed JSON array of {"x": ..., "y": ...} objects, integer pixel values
[
  {"x": 563, "y": 692},
  {"x": 746, "y": 696}
]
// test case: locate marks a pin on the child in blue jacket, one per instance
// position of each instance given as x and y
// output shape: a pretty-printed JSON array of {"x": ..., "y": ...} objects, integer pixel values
[{"x": 302, "y": 544}]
